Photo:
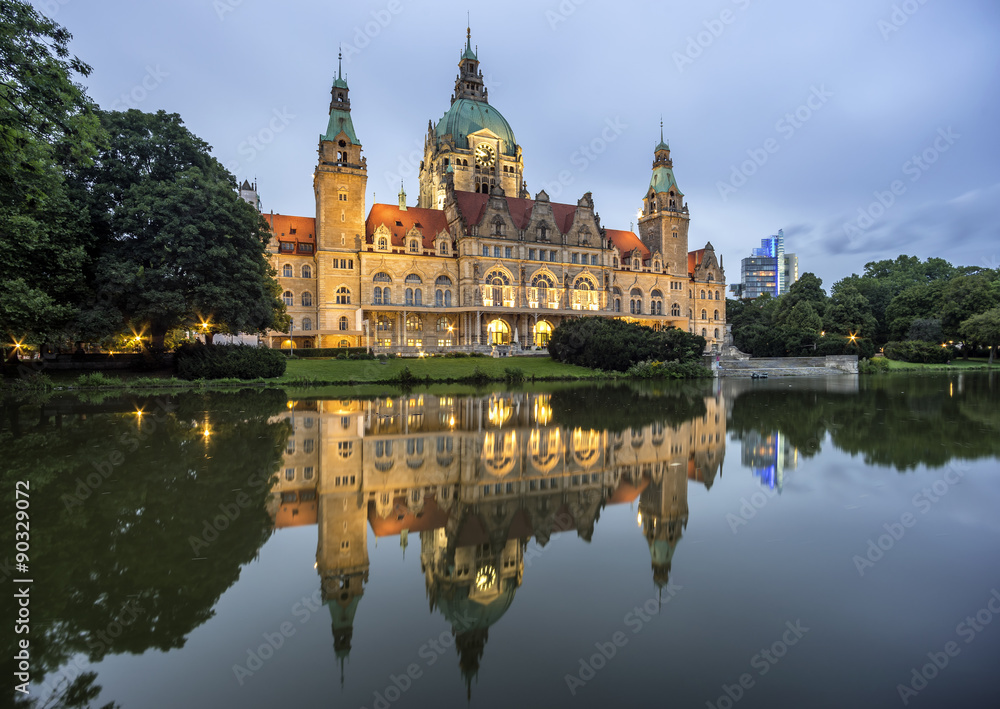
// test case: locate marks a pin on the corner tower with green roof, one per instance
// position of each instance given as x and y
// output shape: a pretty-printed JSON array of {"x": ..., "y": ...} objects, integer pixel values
[
  {"x": 472, "y": 142},
  {"x": 339, "y": 184},
  {"x": 663, "y": 223}
]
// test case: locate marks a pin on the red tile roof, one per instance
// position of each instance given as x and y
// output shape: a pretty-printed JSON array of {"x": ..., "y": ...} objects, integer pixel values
[
  {"x": 282, "y": 225},
  {"x": 473, "y": 204},
  {"x": 626, "y": 241},
  {"x": 432, "y": 222},
  {"x": 695, "y": 259}
]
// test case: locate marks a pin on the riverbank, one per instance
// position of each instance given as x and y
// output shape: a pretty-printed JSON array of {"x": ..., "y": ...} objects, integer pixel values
[{"x": 327, "y": 372}]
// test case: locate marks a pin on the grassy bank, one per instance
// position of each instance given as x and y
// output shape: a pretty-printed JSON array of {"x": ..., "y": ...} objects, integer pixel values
[
  {"x": 438, "y": 369},
  {"x": 956, "y": 364}
]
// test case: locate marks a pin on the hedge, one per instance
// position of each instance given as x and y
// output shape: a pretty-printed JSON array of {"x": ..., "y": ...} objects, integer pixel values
[
  {"x": 313, "y": 352},
  {"x": 615, "y": 345},
  {"x": 918, "y": 351},
  {"x": 200, "y": 361}
]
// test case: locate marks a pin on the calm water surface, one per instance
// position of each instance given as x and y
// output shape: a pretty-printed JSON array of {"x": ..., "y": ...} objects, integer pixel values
[{"x": 817, "y": 543}]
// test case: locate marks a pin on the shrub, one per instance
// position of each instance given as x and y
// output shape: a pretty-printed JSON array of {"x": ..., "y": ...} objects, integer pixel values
[
  {"x": 615, "y": 345},
  {"x": 228, "y": 361},
  {"x": 513, "y": 375},
  {"x": 918, "y": 351},
  {"x": 877, "y": 365},
  {"x": 668, "y": 370},
  {"x": 96, "y": 379}
]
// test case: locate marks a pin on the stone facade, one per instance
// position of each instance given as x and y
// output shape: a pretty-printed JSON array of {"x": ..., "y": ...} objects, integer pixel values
[{"x": 479, "y": 263}]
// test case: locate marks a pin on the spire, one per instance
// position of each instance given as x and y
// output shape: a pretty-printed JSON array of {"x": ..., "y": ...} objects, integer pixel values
[
  {"x": 663, "y": 145},
  {"x": 402, "y": 206},
  {"x": 340, "y": 75}
]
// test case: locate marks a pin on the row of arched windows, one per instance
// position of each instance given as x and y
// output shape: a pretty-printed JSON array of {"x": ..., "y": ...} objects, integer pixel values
[
  {"x": 288, "y": 272},
  {"x": 306, "y": 299}
]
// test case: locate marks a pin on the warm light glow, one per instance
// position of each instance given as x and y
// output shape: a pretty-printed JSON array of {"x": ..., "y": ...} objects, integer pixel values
[
  {"x": 853, "y": 337},
  {"x": 207, "y": 432},
  {"x": 822, "y": 333},
  {"x": 485, "y": 578},
  {"x": 451, "y": 328},
  {"x": 451, "y": 421},
  {"x": 638, "y": 519},
  {"x": 499, "y": 411},
  {"x": 543, "y": 412}
]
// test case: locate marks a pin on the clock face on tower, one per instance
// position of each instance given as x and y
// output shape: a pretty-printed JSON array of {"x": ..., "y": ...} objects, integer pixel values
[
  {"x": 486, "y": 577},
  {"x": 485, "y": 157}
]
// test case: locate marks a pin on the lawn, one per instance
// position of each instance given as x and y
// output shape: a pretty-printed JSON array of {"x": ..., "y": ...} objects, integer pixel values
[
  {"x": 972, "y": 363},
  {"x": 437, "y": 368}
]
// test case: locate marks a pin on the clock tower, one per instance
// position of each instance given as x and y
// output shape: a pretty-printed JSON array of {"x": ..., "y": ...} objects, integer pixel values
[{"x": 472, "y": 143}]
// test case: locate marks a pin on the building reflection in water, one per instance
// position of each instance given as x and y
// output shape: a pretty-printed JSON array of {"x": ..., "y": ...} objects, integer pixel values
[
  {"x": 476, "y": 478},
  {"x": 769, "y": 457}
]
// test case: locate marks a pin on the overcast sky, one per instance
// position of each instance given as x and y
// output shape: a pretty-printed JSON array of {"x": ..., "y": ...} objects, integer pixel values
[{"x": 863, "y": 128}]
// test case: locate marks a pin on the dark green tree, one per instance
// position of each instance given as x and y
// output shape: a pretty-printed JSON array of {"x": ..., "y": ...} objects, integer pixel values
[
  {"x": 179, "y": 247},
  {"x": 849, "y": 313},
  {"x": 47, "y": 127},
  {"x": 983, "y": 329}
]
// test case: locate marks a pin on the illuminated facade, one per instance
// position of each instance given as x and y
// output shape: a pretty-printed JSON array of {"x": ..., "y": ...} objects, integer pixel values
[
  {"x": 478, "y": 261},
  {"x": 475, "y": 480}
]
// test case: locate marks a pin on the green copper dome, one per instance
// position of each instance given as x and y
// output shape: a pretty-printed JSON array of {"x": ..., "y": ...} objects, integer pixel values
[{"x": 468, "y": 116}]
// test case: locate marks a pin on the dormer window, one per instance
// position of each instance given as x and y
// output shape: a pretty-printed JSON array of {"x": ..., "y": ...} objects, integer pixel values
[
  {"x": 414, "y": 246},
  {"x": 383, "y": 243}
]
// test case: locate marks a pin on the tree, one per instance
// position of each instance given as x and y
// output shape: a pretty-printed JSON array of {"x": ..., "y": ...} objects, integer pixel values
[
  {"x": 849, "y": 313},
  {"x": 983, "y": 329},
  {"x": 963, "y": 297},
  {"x": 179, "y": 247},
  {"x": 47, "y": 128},
  {"x": 919, "y": 301},
  {"x": 808, "y": 288}
]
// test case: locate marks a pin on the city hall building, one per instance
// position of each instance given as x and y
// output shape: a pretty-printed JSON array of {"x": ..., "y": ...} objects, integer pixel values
[{"x": 478, "y": 262}]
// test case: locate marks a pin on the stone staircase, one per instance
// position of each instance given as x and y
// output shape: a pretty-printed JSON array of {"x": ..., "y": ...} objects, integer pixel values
[{"x": 788, "y": 366}]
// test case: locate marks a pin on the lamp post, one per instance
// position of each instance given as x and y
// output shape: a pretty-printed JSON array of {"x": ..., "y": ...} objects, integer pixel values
[{"x": 291, "y": 339}]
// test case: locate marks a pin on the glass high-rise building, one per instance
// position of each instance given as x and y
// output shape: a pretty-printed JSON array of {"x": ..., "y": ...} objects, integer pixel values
[{"x": 768, "y": 269}]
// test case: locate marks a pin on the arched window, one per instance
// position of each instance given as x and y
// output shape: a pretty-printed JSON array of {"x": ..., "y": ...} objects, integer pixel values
[
  {"x": 703, "y": 294},
  {"x": 382, "y": 277},
  {"x": 716, "y": 333},
  {"x": 286, "y": 271},
  {"x": 307, "y": 324},
  {"x": 413, "y": 323},
  {"x": 307, "y": 272},
  {"x": 715, "y": 316},
  {"x": 288, "y": 298},
  {"x": 344, "y": 295},
  {"x": 617, "y": 295},
  {"x": 704, "y": 332},
  {"x": 438, "y": 298},
  {"x": 344, "y": 343},
  {"x": 307, "y": 299},
  {"x": 408, "y": 296},
  {"x": 384, "y": 324},
  {"x": 343, "y": 323},
  {"x": 675, "y": 310},
  {"x": 443, "y": 248},
  {"x": 383, "y": 243},
  {"x": 442, "y": 281},
  {"x": 414, "y": 246},
  {"x": 443, "y": 324},
  {"x": 413, "y": 278},
  {"x": 635, "y": 302},
  {"x": 704, "y": 314},
  {"x": 447, "y": 299},
  {"x": 377, "y": 296},
  {"x": 656, "y": 305}
]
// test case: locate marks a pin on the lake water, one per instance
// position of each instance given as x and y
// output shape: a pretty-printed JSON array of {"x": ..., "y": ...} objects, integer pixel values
[{"x": 812, "y": 542}]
